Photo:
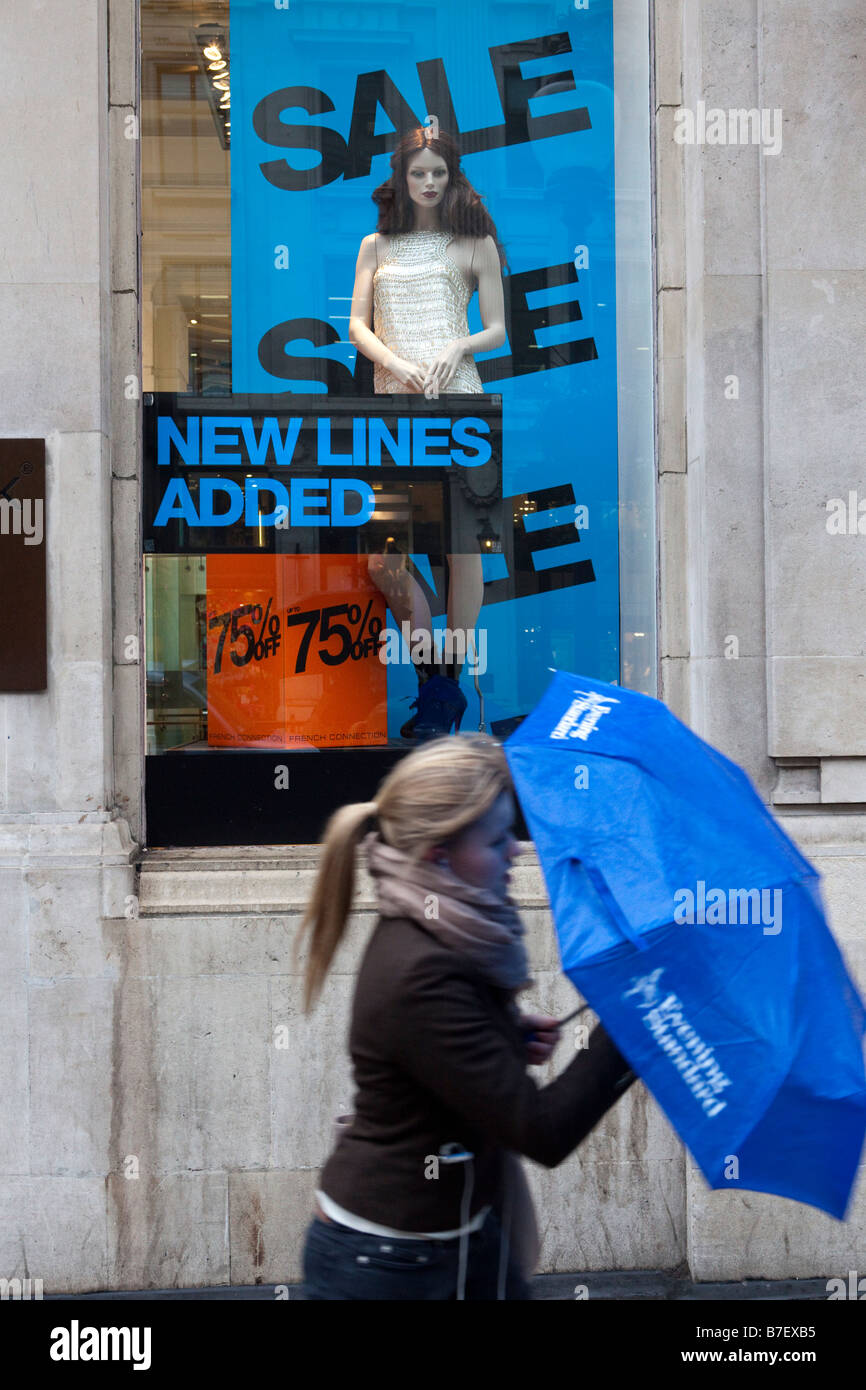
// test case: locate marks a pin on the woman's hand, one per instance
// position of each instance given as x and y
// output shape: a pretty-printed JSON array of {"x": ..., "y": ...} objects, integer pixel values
[
  {"x": 545, "y": 1036},
  {"x": 441, "y": 371},
  {"x": 407, "y": 373}
]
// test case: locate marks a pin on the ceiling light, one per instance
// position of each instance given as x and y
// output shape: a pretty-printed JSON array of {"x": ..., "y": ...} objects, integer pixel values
[{"x": 212, "y": 53}]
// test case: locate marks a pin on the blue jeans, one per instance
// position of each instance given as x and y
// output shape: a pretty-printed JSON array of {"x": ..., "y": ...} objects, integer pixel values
[{"x": 340, "y": 1263}]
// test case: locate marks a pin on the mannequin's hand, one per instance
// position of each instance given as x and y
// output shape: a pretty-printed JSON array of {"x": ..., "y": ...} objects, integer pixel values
[
  {"x": 407, "y": 373},
  {"x": 388, "y": 570},
  {"x": 441, "y": 371},
  {"x": 545, "y": 1036}
]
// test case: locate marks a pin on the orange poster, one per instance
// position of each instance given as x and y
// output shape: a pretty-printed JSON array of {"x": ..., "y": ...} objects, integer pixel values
[{"x": 293, "y": 652}]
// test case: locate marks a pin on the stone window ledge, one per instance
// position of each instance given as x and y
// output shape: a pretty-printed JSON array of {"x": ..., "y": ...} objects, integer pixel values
[{"x": 271, "y": 879}]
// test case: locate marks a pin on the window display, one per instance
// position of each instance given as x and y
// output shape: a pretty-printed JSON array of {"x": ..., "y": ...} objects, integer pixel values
[{"x": 398, "y": 420}]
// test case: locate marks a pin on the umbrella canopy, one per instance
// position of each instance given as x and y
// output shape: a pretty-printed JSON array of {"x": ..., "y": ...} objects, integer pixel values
[{"x": 694, "y": 927}]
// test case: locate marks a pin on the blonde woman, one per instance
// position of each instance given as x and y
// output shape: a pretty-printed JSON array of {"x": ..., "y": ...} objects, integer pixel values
[{"x": 422, "y": 1197}]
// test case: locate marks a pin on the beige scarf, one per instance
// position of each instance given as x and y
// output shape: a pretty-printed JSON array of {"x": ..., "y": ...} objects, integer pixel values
[{"x": 481, "y": 925}]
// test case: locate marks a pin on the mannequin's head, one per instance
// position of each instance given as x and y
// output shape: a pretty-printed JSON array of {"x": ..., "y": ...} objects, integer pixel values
[
  {"x": 427, "y": 178},
  {"x": 421, "y": 163}
]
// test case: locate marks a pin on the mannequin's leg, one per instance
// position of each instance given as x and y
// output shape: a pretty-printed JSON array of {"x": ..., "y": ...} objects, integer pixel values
[
  {"x": 465, "y": 594},
  {"x": 405, "y": 598},
  {"x": 402, "y": 593}
]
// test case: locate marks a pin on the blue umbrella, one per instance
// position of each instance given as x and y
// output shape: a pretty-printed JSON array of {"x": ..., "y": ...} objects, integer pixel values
[{"x": 694, "y": 927}]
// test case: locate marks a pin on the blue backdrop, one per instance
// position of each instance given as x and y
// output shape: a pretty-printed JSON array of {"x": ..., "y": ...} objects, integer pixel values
[{"x": 545, "y": 167}]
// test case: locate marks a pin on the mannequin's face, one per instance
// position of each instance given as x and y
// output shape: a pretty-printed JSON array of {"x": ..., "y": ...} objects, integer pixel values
[
  {"x": 427, "y": 179},
  {"x": 482, "y": 855}
]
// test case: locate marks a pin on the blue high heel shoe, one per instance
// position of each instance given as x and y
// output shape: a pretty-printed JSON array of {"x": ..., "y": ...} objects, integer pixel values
[{"x": 440, "y": 704}]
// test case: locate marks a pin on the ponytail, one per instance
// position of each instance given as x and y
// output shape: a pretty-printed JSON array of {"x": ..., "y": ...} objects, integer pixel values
[{"x": 325, "y": 918}]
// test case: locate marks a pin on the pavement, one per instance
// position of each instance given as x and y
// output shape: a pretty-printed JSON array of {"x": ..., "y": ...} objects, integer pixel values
[{"x": 605, "y": 1286}]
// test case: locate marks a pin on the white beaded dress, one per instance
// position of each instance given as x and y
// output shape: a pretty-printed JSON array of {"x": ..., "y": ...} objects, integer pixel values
[{"x": 420, "y": 299}]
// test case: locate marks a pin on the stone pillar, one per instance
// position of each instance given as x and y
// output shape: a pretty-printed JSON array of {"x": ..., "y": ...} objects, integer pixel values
[
  {"x": 69, "y": 342},
  {"x": 761, "y": 265}
]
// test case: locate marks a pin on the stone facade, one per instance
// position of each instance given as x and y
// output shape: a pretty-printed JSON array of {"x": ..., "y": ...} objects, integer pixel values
[{"x": 154, "y": 1133}]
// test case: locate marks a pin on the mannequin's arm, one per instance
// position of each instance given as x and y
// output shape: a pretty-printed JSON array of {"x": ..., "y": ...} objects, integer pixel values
[
  {"x": 361, "y": 316},
  {"x": 491, "y": 305},
  {"x": 491, "y": 301}
]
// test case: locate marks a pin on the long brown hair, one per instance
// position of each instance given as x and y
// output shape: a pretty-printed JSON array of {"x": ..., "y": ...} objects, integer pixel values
[
  {"x": 431, "y": 796},
  {"x": 462, "y": 209}
]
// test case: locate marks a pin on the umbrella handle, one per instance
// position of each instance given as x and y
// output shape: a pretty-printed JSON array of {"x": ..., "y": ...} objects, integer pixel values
[
  {"x": 624, "y": 1080},
  {"x": 575, "y": 1013},
  {"x": 533, "y": 1037}
]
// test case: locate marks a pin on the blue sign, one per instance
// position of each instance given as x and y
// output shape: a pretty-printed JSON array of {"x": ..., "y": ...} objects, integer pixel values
[{"x": 321, "y": 93}]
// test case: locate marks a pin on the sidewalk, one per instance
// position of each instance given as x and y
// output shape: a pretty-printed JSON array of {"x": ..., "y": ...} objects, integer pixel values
[{"x": 631, "y": 1285}]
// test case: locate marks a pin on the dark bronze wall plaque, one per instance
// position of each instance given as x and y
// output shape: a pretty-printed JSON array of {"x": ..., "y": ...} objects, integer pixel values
[{"x": 23, "y": 619}]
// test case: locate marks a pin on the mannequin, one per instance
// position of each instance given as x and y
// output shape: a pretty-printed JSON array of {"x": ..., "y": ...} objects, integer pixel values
[{"x": 435, "y": 246}]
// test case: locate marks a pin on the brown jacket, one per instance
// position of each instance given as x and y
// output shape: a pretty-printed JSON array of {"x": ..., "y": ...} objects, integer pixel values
[{"x": 439, "y": 1058}]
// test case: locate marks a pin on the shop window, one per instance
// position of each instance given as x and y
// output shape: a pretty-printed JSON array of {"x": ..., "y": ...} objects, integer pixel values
[{"x": 335, "y": 569}]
